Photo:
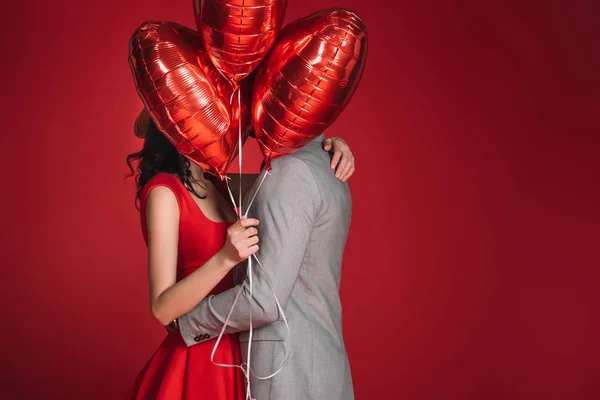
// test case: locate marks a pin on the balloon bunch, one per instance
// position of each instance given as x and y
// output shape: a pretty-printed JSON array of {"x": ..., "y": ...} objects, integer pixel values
[{"x": 290, "y": 84}]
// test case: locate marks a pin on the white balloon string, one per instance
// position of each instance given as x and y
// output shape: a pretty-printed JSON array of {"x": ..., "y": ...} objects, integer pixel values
[
  {"x": 240, "y": 145},
  {"x": 212, "y": 355},
  {"x": 230, "y": 193},
  {"x": 250, "y": 331},
  {"x": 227, "y": 318},
  {"x": 256, "y": 192},
  {"x": 285, "y": 321},
  {"x": 245, "y": 367},
  {"x": 238, "y": 206}
]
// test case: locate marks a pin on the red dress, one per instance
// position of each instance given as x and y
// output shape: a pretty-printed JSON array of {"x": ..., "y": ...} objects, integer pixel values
[{"x": 176, "y": 371}]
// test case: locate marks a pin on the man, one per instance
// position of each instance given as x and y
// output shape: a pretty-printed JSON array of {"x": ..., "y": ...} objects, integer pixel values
[{"x": 304, "y": 214}]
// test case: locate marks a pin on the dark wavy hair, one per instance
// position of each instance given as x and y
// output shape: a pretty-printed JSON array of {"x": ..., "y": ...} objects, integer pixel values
[{"x": 158, "y": 155}]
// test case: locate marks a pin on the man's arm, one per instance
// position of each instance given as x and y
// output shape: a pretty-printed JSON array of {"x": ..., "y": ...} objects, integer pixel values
[{"x": 286, "y": 206}]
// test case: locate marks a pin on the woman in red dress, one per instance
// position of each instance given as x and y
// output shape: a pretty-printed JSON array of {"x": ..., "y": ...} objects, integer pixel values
[{"x": 193, "y": 244}]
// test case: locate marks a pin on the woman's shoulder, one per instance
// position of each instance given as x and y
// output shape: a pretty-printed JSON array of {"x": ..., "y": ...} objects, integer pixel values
[
  {"x": 162, "y": 200},
  {"x": 163, "y": 178},
  {"x": 171, "y": 181}
]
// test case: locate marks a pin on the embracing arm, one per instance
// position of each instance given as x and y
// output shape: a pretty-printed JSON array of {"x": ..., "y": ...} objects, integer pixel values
[
  {"x": 170, "y": 299},
  {"x": 342, "y": 159},
  {"x": 287, "y": 202}
]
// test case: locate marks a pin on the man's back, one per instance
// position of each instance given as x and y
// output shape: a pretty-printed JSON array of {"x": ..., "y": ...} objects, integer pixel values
[{"x": 305, "y": 215}]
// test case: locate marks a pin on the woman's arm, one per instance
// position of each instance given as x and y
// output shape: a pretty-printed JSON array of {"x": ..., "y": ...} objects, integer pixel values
[
  {"x": 342, "y": 159},
  {"x": 170, "y": 299}
]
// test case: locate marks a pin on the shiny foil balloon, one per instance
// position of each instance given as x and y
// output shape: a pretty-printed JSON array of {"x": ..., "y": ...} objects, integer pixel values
[
  {"x": 238, "y": 34},
  {"x": 187, "y": 98},
  {"x": 307, "y": 80}
]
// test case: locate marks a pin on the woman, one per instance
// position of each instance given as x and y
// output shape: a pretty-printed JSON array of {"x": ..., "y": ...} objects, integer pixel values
[{"x": 193, "y": 243}]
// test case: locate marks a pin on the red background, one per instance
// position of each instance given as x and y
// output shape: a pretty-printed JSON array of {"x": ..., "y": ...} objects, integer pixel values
[{"x": 471, "y": 270}]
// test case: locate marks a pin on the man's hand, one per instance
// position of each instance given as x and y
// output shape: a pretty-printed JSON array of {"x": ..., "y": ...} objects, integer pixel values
[{"x": 342, "y": 160}]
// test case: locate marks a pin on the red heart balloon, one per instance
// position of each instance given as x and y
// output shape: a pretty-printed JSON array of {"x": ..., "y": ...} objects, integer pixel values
[
  {"x": 307, "y": 80},
  {"x": 238, "y": 34},
  {"x": 187, "y": 98}
]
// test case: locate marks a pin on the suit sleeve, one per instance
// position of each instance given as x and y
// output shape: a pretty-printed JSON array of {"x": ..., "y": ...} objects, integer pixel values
[{"x": 286, "y": 206}]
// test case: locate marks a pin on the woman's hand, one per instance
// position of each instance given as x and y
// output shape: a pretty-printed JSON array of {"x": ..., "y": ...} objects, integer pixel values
[
  {"x": 242, "y": 241},
  {"x": 342, "y": 160}
]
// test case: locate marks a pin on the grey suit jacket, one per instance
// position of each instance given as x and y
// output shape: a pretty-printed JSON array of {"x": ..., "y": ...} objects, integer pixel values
[{"x": 304, "y": 215}]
